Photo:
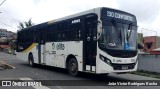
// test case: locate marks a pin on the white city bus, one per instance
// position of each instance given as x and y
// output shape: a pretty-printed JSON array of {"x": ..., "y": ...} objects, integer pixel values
[{"x": 101, "y": 41}]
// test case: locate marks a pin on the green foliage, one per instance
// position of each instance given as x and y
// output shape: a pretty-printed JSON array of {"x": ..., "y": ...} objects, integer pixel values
[{"x": 25, "y": 24}]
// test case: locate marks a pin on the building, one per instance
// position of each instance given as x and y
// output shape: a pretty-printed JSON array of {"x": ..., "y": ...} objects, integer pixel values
[
  {"x": 3, "y": 32},
  {"x": 150, "y": 43},
  {"x": 6, "y": 36},
  {"x": 11, "y": 35}
]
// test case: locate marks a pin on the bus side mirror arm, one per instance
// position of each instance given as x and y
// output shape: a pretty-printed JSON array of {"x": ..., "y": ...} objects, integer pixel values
[
  {"x": 99, "y": 21},
  {"x": 99, "y": 36},
  {"x": 140, "y": 46}
]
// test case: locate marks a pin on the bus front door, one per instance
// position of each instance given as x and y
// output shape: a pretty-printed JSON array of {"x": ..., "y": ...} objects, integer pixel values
[{"x": 90, "y": 44}]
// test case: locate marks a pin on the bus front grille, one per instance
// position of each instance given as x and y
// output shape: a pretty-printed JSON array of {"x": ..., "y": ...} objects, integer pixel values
[{"x": 123, "y": 66}]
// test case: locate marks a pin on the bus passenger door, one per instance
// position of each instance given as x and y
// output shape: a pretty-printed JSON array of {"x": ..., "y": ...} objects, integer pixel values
[
  {"x": 90, "y": 43},
  {"x": 41, "y": 47}
]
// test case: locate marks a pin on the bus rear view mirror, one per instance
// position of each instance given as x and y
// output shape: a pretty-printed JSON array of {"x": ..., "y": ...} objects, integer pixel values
[{"x": 99, "y": 29}]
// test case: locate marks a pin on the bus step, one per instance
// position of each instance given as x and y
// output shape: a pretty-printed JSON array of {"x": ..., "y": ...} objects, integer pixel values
[
  {"x": 89, "y": 71},
  {"x": 42, "y": 63}
]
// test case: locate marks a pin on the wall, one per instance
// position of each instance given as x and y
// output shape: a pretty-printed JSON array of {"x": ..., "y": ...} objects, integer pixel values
[{"x": 149, "y": 63}]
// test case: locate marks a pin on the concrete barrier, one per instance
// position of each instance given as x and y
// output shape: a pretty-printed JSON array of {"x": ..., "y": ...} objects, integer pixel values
[{"x": 149, "y": 63}]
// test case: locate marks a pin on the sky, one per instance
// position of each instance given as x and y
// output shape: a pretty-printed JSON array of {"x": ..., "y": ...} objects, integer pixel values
[{"x": 15, "y": 11}]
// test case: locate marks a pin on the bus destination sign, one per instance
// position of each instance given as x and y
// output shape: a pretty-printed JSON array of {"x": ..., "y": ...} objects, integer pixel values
[{"x": 119, "y": 16}]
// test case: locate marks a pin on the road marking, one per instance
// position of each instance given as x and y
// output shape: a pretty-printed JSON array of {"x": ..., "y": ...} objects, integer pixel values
[
  {"x": 36, "y": 87},
  {"x": 58, "y": 87}
]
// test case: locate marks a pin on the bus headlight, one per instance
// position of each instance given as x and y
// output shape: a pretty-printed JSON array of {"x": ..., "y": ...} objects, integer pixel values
[
  {"x": 133, "y": 60},
  {"x": 106, "y": 60}
]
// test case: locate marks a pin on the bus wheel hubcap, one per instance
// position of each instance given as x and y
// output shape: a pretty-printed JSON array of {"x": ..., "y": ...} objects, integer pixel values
[
  {"x": 30, "y": 62},
  {"x": 73, "y": 67}
]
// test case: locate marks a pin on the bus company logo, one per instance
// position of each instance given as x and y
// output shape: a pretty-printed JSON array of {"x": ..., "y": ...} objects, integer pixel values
[
  {"x": 76, "y": 21},
  {"x": 53, "y": 46},
  {"x": 60, "y": 46},
  {"x": 6, "y": 83}
]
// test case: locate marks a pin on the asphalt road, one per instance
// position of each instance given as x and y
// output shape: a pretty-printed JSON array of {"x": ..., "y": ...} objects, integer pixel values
[{"x": 24, "y": 72}]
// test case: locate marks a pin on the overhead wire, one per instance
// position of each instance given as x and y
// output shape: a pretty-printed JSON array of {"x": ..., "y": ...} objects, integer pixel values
[
  {"x": 11, "y": 19},
  {"x": 2, "y": 2},
  {"x": 8, "y": 25}
]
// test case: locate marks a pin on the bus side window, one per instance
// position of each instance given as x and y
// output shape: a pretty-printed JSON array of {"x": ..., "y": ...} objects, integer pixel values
[
  {"x": 62, "y": 31},
  {"x": 75, "y": 31},
  {"x": 61, "y": 36},
  {"x": 51, "y": 33},
  {"x": 35, "y": 38}
]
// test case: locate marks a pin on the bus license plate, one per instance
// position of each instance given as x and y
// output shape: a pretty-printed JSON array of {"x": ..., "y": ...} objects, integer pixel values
[{"x": 124, "y": 67}]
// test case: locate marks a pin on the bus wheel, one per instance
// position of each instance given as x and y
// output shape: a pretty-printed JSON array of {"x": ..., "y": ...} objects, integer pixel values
[
  {"x": 30, "y": 60},
  {"x": 73, "y": 67}
]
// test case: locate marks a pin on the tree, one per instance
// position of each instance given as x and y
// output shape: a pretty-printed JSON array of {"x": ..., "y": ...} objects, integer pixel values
[
  {"x": 25, "y": 24},
  {"x": 21, "y": 25}
]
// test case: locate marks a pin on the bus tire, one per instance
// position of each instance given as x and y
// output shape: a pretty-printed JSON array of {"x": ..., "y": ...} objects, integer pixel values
[
  {"x": 103, "y": 75},
  {"x": 73, "y": 67},
  {"x": 31, "y": 60}
]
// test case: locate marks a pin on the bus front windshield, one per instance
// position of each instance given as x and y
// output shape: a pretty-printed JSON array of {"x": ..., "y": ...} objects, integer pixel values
[{"x": 118, "y": 36}]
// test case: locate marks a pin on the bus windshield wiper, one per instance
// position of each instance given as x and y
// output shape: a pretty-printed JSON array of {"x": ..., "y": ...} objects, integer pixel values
[{"x": 129, "y": 30}]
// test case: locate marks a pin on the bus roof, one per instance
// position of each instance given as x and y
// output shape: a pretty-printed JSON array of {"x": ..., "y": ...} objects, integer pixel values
[{"x": 94, "y": 10}]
